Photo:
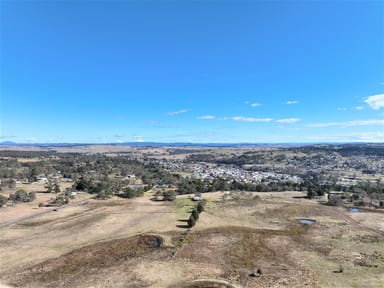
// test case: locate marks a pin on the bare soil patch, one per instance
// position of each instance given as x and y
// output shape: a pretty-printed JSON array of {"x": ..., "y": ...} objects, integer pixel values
[{"x": 76, "y": 265}]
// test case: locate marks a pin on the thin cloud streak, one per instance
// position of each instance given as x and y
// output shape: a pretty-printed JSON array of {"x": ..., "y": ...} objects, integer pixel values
[
  {"x": 248, "y": 119},
  {"x": 291, "y": 102},
  {"x": 288, "y": 120},
  {"x": 206, "y": 117},
  {"x": 347, "y": 124},
  {"x": 251, "y": 119},
  {"x": 177, "y": 112}
]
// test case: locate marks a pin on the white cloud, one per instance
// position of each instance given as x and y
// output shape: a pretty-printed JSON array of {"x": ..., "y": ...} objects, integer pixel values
[
  {"x": 357, "y": 108},
  {"x": 138, "y": 138},
  {"x": 248, "y": 119},
  {"x": 347, "y": 123},
  {"x": 288, "y": 120},
  {"x": 375, "y": 101},
  {"x": 291, "y": 102},
  {"x": 177, "y": 112},
  {"x": 256, "y": 104},
  {"x": 206, "y": 117}
]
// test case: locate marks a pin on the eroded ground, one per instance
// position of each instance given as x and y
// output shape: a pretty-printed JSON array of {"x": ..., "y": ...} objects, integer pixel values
[{"x": 249, "y": 240}]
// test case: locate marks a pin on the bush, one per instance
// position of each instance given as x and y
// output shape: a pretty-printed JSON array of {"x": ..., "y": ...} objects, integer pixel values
[
  {"x": 169, "y": 195},
  {"x": 22, "y": 196},
  {"x": 132, "y": 193},
  {"x": 195, "y": 214},
  {"x": 200, "y": 207},
  {"x": 3, "y": 200},
  {"x": 191, "y": 221}
]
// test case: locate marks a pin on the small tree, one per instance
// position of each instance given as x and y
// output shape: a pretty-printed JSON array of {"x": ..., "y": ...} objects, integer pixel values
[
  {"x": 22, "y": 196},
  {"x": 3, "y": 200},
  {"x": 169, "y": 195},
  {"x": 49, "y": 186},
  {"x": 191, "y": 221},
  {"x": 32, "y": 196},
  {"x": 56, "y": 187},
  {"x": 200, "y": 207},
  {"x": 129, "y": 192},
  {"x": 195, "y": 214}
]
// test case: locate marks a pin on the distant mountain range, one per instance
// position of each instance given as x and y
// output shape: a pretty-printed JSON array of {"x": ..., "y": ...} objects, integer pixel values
[{"x": 180, "y": 144}]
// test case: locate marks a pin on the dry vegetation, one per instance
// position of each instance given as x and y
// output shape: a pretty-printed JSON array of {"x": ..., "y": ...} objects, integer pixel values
[{"x": 245, "y": 239}]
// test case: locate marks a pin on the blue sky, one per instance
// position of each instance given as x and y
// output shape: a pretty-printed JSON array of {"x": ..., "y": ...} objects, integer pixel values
[{"x": 192, "y": 71}]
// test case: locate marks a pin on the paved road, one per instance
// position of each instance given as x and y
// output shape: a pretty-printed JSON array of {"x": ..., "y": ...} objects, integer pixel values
[{"x": 54, "y": 209}]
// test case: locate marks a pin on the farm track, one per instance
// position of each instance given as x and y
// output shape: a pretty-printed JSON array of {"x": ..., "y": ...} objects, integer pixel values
[
  {"x": 29, "y": 217},
  {"x": 354, "y": 222}
]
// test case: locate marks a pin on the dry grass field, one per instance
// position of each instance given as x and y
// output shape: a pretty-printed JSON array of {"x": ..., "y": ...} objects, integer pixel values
[{"x": 242, "y": 239}]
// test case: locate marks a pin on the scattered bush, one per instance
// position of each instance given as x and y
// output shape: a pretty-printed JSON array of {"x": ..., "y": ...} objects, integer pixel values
[
  {"x": 22, "y": 196},
  {"x": 3, "y": 200},
  {"x": 169, "y": 195},
  {"x": 132, "y": 193},
  {"x": 60, "y": 199}
]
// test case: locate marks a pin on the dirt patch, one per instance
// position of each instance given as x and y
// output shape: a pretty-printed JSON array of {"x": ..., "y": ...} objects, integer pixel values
[
  {"x": 100, "y": 256},
  {"x": 240, "y": 251}
]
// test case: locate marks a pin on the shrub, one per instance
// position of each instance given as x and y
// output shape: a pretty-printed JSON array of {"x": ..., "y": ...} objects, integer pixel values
[
  {"x": 169, "y": 195},
  {"x": 191, "y": 221},
  {"x": 195, "y": 214},
  {"x": 200, "y": 207},
  {"x": 3, "y": 200},
  {"x": 22, "y": 196}
]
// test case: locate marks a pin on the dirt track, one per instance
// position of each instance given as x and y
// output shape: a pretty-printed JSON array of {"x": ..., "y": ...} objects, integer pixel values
[{"x": 38, "y": 214}]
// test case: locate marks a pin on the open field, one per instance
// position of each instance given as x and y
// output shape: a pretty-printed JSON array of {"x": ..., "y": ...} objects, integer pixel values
[{"x": 247, "y": 239}]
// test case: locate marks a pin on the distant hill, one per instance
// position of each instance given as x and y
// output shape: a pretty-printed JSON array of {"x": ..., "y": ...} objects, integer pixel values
[
  {"x": 8, "y": 143},
  {"x": 189, "y": 144}
]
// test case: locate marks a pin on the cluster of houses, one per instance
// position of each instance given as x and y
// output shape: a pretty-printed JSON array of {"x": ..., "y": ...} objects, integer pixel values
[{"x": 228, "y": 172}]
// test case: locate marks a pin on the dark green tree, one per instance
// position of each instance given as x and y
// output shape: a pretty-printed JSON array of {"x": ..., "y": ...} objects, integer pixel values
[
  {"x": 200, "y": 206},
  {"x": 195, "y": 214},
  {"x": 191, "y": 221},
  {"x": 169, "y": 195}
]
